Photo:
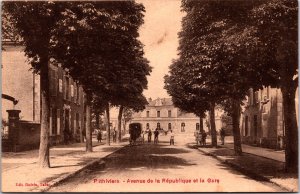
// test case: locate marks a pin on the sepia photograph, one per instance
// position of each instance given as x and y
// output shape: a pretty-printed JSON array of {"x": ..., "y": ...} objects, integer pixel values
[{"x": 149, "y": 96}]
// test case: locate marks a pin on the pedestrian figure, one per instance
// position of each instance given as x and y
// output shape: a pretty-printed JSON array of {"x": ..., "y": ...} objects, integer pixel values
[
  {"x": 114, "y": 135},
  {"x": 156, "y": 133},
  {"x": 149, "y": 136},
  {"x": 204, "y": 137},
  {"x": 83, "y": 135},
  {"x": 196, "y": 136},
  {"x": 66, "y": 136},
  {"x": 99, "y": 135},
  {"x": 199, "y": 138},
  {"x": 172, "y": 138},
  {"x": 222, "y": 134}
]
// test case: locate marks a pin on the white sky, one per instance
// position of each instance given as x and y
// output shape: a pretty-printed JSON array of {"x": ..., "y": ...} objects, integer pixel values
[{"x": 159, "y": 35}]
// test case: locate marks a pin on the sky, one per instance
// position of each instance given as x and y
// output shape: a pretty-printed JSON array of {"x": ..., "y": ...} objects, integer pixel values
[{"x": 162, "y": 22}]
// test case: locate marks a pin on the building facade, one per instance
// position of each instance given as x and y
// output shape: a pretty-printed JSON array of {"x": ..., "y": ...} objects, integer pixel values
[
  {"x": 262, "y": 121},
  {"x": 162, "y": 114},
  {"x": 67, "y": 116}
]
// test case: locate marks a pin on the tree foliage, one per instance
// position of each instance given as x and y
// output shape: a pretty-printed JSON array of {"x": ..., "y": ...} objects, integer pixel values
[
  {"x": 228, "y": 47},
  {"x": 96, "y": 41}
]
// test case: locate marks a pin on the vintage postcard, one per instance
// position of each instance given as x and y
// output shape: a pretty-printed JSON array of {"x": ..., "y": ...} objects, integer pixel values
[{"x": 149, "y": 96}]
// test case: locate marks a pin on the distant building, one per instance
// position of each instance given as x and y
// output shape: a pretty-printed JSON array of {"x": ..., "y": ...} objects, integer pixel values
[
  {"x": 161, "y": 113},
  {"x": 66, "y": 96},
  {"x": 262, "y": 121}
]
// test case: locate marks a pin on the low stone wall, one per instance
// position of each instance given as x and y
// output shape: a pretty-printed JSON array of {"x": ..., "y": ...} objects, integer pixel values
[
  {"x": 25, "y": 135},
  {"x": 28, "y": 136}
]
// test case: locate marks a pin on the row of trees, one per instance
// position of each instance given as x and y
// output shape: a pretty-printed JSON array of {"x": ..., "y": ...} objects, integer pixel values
[
  {"x": 96, "y": 41},
  {"x": 228, "y": 47}
]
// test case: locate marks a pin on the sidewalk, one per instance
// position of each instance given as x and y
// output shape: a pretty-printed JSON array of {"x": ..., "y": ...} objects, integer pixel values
[
  {"x": 258, "y": 163},
  {"x": 278, "y": 155},
  {"x": 12, "y": 160},
  {"x": 21, "y": 174}
]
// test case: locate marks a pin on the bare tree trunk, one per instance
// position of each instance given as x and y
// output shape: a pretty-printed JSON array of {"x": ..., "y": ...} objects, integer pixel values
[
  {"x": 124, "y": 126},
  {"x": 201, "y": 124},
  {"x": 89, "y": 143},
  {"x": 44, "y": 160},
  {"x": 120, "y": 123},
  {"x": 97, "y": 120},
  {"x": 291, "y": 129},
  {"x": 107, "y": 125},
  {"x": 236, "y": 127},
  {"x": 213, "y": 125}
]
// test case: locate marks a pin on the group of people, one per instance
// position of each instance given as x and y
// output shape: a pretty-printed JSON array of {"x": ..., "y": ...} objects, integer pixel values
[
  {"x": 113, "y": 134},
  {"x": 149, "y": 133},
  {"x": 200, "y": 137},
  {"x": 156, "y": 134}
]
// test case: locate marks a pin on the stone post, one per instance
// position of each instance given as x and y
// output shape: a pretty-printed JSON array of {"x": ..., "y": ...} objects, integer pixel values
[{"x": 13, "y": 128}]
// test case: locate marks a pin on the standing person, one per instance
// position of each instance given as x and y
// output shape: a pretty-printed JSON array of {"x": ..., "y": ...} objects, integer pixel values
[
  {"x": 204, "y": 137},
  {"x": 196, "y": 136},
  {"x": 99, "y": 135},
  {"x": 149, "y": 136},
  {"x": 156, "y": 133},
  {"x": 83, "y": 134},
  {"x": 114, "y": 135},
  {"x": 66, "y": 136},
  {"x": 172, "y": 138},
  {"x": 222, "y": 134}
]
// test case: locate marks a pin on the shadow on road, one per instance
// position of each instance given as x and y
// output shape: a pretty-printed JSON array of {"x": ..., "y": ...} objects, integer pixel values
[{"x": 147, "y": 156}]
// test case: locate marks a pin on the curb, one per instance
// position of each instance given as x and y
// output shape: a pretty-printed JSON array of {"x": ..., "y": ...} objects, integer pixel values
[
  {"x": 244, "y": 170},
  {"x": 69, "y": 175}
]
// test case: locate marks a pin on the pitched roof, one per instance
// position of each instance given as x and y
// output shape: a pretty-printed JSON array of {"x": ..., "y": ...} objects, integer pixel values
[{"x": 161, "y": 102}]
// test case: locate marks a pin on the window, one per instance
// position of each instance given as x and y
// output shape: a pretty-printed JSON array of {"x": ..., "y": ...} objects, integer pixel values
[
  {"x": 53, "y": 82},
  {"x": 75, "y": 92},
  {"x": 255, "y": 98},
  {"x": 169, "y": 113},
  {"x": 169, "y": 126},
  {"x": 255, "y": 125},
  {"x": 147, "y": 126},
  {"x": 53, "y": 121},
  {"x": 182, "y": 127},
  {"x": 158, "y": 126},
  {"x": 77, "y": 126},
  {"x": 158, "y": 113},
  {"x": 147, "y": 113},
  {"x": 79, "y": 123},
  {"x": 74, "y": 126},
  {"x": 67, "y": 88},
  {"x": 50, "y": 121},
  {"x": 246, "y": 126},
  {"x": 60, "y": 83},
  {"x": 77, "y": 97},
  {"x": 58, "y": 121},
  {"x": 197, "y": 126},
  {"x": 72, "y": 90}
]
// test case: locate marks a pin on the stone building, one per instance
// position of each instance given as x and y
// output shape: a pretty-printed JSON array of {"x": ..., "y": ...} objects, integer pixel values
[
  {"x": 66, "y": 105},
  {"x": 162, "y": 114},
  {"x": 19, "y": 82},
  {"x": 262, "y": 121}
]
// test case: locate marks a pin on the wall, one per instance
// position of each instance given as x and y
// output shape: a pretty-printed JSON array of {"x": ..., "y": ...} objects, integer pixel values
[
  {"x": 176, "y": 118},
  {"x": 28, "y": 136},
  {"x": 267, "y": 104},
  {"x": 17, "y": 81}
]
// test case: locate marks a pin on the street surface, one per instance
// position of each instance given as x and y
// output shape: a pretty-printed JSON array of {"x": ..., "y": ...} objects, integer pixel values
[{"x": 132, "y": 169}]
